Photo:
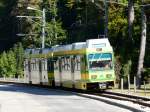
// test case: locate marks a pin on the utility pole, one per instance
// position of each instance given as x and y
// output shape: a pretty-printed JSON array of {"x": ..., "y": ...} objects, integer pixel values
[
  {"x": 42, "y": 19},
  {"x": 106, "y": 18},
  {"x": 142, "y": 48},
  {"x": 54, "y": 19},
  {"x": 43, "y": 27}
]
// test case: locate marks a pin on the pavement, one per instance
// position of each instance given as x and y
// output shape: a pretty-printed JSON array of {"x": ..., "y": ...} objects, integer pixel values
[{"x": 19, "y": 98}]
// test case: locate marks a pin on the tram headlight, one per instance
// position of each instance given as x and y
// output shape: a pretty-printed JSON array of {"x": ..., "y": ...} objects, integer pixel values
[
  {"x": 108, "y": 75},
  {"x": 93, "y": 76}
]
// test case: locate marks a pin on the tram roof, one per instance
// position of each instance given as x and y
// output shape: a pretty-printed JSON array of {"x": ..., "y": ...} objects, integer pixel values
[
  {"x": 27, "y": 51},
  {"x": 79, "y": 45},
  {"x": 91, "y": 43},
  {"x": 46, "y": 50},
  {"x": 98, "y": 43},
  {"x": 62, "y": 48}
]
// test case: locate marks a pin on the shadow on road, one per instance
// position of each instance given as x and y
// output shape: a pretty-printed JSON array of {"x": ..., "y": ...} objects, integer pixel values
[
  {"x": 32, "y": 90},
  {"x": 46, "y": 91}
]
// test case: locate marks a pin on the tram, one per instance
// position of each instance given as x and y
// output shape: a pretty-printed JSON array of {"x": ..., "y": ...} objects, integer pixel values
[{"x": 82, "y": 65}]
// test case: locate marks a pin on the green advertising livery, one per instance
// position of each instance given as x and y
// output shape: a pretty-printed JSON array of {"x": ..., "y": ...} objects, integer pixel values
[{"x": 82, "y": 65}]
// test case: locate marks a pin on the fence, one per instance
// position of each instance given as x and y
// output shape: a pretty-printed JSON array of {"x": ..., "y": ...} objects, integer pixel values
[{"x": 144, "y": 90}]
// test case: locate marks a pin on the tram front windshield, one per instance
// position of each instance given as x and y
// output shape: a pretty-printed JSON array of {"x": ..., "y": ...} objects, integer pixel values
[{"x": 100, "y": 61}]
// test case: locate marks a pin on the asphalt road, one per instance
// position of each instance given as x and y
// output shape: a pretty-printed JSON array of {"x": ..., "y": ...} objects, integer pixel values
[{"x": 16, "y": 98}]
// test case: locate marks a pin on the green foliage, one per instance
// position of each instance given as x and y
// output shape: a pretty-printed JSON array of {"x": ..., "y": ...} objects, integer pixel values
[
  {"x": 55, "y": 33},
  {"x": 11, "y": 68},
  {"x": 126, "y": 68},
  {"x": 3, "y": 64},
  {"x": 55, "y": 29},
  {"x": 19, "y": 60},
  {"x": 11, "y": 62},
  {"x": 117, "y": 27}
]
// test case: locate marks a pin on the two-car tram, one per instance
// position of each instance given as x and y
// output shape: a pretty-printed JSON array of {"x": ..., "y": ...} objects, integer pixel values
[{"x": 84, "y": 65}]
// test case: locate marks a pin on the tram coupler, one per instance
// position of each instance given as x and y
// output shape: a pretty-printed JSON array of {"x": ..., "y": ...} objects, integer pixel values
[
  {"x": 30, "y": 82},
  {"x": 102, "y": 85},
  {"x": 41, "y": 83}
]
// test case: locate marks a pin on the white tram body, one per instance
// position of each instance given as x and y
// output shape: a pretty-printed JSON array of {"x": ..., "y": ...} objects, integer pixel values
[{"x": 79, "y": 65}]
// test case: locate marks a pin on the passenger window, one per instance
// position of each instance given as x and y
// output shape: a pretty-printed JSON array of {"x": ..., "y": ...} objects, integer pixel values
[
  {"x": 56, "y": 63},
  {"x": 77, "y": 62}
]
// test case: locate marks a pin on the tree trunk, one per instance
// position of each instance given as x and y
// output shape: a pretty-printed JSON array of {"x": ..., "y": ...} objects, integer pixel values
[
  {"x": 106, "y": 18},
  {"x": 142, "y": 49},
  {"x": 130, "y": 18},
  {"x": 129, "y": 40}
]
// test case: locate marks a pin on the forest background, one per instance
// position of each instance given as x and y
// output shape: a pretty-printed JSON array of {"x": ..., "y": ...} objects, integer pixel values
[{"x": 69, "y": 21}]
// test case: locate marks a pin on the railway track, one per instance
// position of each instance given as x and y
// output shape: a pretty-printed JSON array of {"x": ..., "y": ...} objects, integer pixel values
[{"x": 143, "y": 101}]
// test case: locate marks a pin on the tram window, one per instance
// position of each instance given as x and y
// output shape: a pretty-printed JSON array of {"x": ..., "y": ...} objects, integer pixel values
[
  {"x": 77, "y": 63},
  {"x": 66, "y": 63},
  {"x": 59, "y": 64},
  {"x": 35, "y": 64},
  {"x": 56, "y": 63},
  {"x": 29, "y": 65},
  {"x": 32, "y": 66},
  {"x": 55, "y": 59},
  {"x": 48, "y": 65},
  {"x": 26, "y": 65},
  {"x": 107, "y": 64},
  {"x": 63, "y": 63},
  {"x": 43, "y": 64},
  {"x": 40, "y": 65},
  {"x": 100, "y": 61}
]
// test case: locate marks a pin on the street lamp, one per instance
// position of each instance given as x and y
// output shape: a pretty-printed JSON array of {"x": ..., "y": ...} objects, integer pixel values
[
  {"x": 22, "y": 34},
  {"x": 43, "y": 23}
]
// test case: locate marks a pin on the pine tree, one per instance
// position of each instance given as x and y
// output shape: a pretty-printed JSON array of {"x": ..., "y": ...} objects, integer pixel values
[
  {"x": 19, "y": 60},
  {"x": 4, "y": 64},
  {"x": 11, "y": 69},
  {"x": 54, "y": 31}
]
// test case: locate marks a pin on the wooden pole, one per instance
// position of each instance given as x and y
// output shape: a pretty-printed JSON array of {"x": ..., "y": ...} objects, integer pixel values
[
  {"x": 135, "y": 84},
  {"x": 121, "y": 85},
  {"x": 144, "y": 88},
  {"x": 129, "y": 83}
]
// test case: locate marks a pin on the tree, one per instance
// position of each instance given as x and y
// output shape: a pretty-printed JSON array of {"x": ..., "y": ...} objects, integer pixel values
[
  {"x": 56, "y": 34},
  {"x": 3, "y": 64},
  {"x": 11, "y": 68},
  {"x": 142, "y": 48},
  {"x": 54, "y": 31},
  {"x": 19, "y": 54}
]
